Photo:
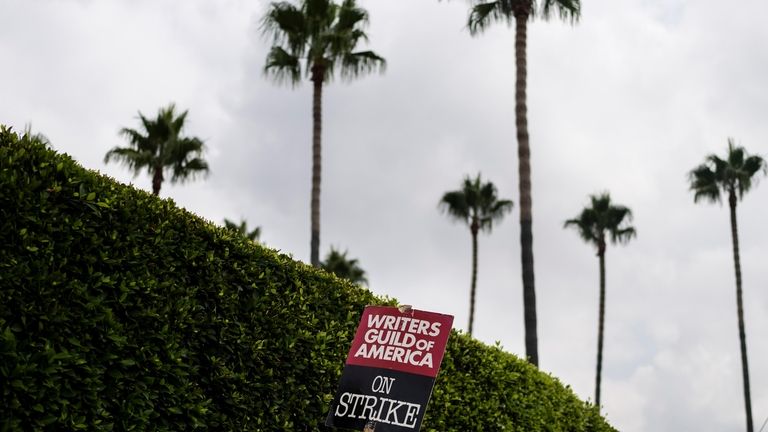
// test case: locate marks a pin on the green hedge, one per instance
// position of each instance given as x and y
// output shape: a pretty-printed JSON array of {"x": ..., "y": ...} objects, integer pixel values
[{"x": 121, "y": 311}]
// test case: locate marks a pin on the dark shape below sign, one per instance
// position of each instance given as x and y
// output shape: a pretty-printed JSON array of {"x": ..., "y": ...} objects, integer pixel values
[
  {"x": 392, "y": 400},
  {"x": 390, "y": 370}
]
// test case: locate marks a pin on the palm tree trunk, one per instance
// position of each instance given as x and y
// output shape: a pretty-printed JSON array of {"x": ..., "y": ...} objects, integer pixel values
[
  {"x": 473, "y": 289},
  {"x": 317, "y": 98},
  {"x": 157, "y": 180},
  {"x": 740, "y": 310},
  {"x": 524, "y": 169},
  {"x": 600, "y": 326}
]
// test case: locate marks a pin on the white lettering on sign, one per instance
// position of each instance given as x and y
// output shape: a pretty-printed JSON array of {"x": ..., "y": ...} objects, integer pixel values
[
  {"x": 378, "y": 409},
  {"x": 404, "y": 324},
  {"x": 382, "y": 384},
  {"x": 395, "y": 354},
  {"x": 397, "y": 339}
]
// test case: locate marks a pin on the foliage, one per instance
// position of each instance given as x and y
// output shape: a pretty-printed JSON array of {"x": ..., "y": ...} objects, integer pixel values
[
  {"x": 484, "y": 13},
  {"x": 121, "y": 311},
  {"x": 321, "y": 33},
  {"x": 346, "y": 268},
  {"x": 603, "y": 217},
  {"x": 476, "y": 204},
  {"x": 242, "y": 229},
  {"x": 733, "y": 175},
  {"x": 160, "y": 146},
  {"x": 482, "y": 388}
]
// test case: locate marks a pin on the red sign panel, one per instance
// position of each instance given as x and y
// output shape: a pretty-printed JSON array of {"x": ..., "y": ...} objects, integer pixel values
[{"x": 412, "y": 341}]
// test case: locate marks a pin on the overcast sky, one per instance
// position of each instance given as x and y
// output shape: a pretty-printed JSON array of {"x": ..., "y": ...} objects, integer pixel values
[{"x": 628, "y": 100}]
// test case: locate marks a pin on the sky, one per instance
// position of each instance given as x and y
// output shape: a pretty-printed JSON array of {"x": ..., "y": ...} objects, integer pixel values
[{"x": 628, "y": 100}]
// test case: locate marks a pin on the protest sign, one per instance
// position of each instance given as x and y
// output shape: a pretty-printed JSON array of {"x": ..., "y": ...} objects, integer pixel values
[{"x": 390, "y": 369}]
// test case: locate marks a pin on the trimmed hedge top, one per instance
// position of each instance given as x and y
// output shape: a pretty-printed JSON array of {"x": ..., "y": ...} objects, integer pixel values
[{"x": 121, "y": 311}]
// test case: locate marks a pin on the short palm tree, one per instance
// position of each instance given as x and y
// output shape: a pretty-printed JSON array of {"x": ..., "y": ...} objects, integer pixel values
[
  {"x": 242, "y": 229},
  {"x": 34, "y": 136},
  {"x": 732, "y": 176},
  {"x": 477, "y": 205},
  {"x": 319, "y": 37},
  {"x": 597, "y": 224},
  {"x": 346, "y": 268},
  {"x": 160, "y": 146},
  {"x": 482, "y": 15}
]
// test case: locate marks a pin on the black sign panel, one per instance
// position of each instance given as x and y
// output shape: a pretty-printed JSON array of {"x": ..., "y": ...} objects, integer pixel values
[{"x": 395, "y": 401}]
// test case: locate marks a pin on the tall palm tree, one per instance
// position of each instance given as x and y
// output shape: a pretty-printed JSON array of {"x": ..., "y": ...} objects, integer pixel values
[
  {"x": 733, "y": 177},
  {"x": 477, "y": 205},
  {"x": 596, "y": 224},
  {"x": 320, "y": 37},
  {"x": 242, "y": 229},
  {"x": 159, "y": 146},
  {"x": 484, "y": 13},
  {"x": 346, "y": 268}
]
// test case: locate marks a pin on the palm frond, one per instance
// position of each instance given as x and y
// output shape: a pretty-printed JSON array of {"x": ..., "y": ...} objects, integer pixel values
[
  {"x": 336, "y": 262},
  {"x": 338, "y": 43},
  {"x": 361, "y": 63},
  {"x": 283, "y": 66},
  {"x": 182, "y": 148},
  {"x": 233, "y": 225},
  {"x": 133, "y": 158},
  {"x": 189, "y": 169},
  {"x": 286, "y": 25},
  {"x": 161, "y": 145},
  {"x": 489, "y": 207},
  {"x": 454, "y": 204},
  {"x": 752, "y": 166},
  {"x": 704, "y": 184},
  {"x": 584, "y": 225},
  {"x": 476, "y": 204},
  {"x": 321, "y": 33},
  {"x": 133, "y": 136},
  {"x": 242, "y": 229},
  {"x": 485, "y": 13},
  {"x": 733, "y": 175},
  {"x": 623, "y": 235},
  {"x": 603, "y": 218},
  {"x": 356, "y": 36},
  {"x": 567, "y": 10},
  {"x": 735, "y": 154},
  {"x": 173, "y": 123},
  {"x": 350, "y": 17},
  {"x": 148, "y": 125},
  {"x": 319, "y": 14},
  {"x": 34, "y": 136},
  {"x": 500, "y": 208},
  {"x": 482, "y": 15}
]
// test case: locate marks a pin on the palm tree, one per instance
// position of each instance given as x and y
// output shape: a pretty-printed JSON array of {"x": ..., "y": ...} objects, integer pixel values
[
  {"x": 346, "y": 268},
  {"x": 34, "y": 136},
  {"x": 477, "y": 205},
  {"x": 320, "y": 37},
  {"x": 483, "y": 13},
  {"x": 160, "y": 146},
  {"x": 242, "y": 229},
  {"x": 732, "y": 176},
  {"x": 599, "y": 222}
]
